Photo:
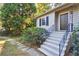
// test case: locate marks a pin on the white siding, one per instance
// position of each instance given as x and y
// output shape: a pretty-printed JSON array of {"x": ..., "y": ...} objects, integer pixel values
[
  {"x": 76, "y": 16},
  {"x": 51, "y": 20}
]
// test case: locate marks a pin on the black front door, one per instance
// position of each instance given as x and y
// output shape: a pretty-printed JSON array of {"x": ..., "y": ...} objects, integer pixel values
[{"x": 63, "y": 21}]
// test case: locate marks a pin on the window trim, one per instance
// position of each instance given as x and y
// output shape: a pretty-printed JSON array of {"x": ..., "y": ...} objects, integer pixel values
[{"x": 45, "y": 21}]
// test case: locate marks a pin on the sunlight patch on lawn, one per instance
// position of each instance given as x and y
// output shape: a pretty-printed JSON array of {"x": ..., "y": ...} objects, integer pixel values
[{"x": 2, "y": 42}]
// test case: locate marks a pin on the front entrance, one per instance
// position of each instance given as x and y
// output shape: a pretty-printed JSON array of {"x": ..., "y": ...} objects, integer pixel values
[{"x": 63, "y": 21}]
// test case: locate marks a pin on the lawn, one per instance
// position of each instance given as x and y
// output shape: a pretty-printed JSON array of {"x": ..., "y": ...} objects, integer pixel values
[{"x": 11, "y": 50}]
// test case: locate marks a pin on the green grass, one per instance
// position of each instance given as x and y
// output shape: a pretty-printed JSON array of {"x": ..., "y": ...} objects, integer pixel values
[{"x": 11, "y": 50}]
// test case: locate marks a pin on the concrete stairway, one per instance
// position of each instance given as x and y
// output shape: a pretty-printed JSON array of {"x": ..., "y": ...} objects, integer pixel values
[{"x": 51, "y": 46}]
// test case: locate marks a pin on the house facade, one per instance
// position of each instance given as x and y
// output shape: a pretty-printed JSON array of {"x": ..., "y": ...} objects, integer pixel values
[
  {"x": 54, "y": 18},
  {"x": 60, "y": 22}
]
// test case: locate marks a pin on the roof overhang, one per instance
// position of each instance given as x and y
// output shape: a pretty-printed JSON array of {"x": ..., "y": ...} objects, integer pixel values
[{"x": 66, "y": 5}]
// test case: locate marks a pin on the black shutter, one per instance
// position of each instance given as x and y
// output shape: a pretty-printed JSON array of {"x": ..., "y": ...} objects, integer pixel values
[
  {"x": 47, "y": 20},
  {"x": 39, "y": 22}
]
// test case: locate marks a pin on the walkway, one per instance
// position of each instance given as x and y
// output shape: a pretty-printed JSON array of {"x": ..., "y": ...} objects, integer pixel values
[{"x": 31, "y": 51}]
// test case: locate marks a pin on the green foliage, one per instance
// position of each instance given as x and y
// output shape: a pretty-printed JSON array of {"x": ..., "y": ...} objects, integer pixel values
[
  {"x": 42, "y": 8},
  {"x": 34, "y": 35},
  {"x": 75, "y": 43},
  {"x": 13, "y": 15},
  {"x": 77, "y": 29},
  {"x": 17, "y": 16}
]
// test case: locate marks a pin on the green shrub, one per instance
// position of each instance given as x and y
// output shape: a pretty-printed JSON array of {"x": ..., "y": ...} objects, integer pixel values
[
  {"x": 75, "y": 44},
  {"x": 76, "y": 28},
  {"x": 34, "y": 35}
]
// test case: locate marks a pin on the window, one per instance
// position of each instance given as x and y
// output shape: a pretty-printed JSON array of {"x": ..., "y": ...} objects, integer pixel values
[
  {"x": 47, "y": 20},
  {"x": 43, "y": 21}
]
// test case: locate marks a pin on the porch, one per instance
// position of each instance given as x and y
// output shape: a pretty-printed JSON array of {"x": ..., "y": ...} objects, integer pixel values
[
  {"x": 64, "y": 20},
  {"x": 60, "y": 32}
]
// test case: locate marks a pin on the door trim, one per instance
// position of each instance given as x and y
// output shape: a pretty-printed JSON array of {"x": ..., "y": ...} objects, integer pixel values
[
  {"x": 59, "y": 18},
  {"x": 65, "y": 22}
]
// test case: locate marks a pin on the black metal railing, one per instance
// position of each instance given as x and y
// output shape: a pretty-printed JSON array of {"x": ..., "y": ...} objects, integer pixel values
[{"x": 62, "y": 42}]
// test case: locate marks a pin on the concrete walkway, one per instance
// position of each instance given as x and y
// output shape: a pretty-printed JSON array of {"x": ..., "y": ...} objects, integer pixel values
[{"x": 31, "y": 51}]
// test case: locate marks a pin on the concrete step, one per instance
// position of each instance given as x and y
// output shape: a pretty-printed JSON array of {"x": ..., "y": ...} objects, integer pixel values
[
  {"x": 57, "y": 35},
  {"x": 51, "y": 50},
  {"x": 53, "y": 41},
  {"x": 45, "y": 52},
  {"x": 54, "y": 38},
  {"x": 51, "y": 45},
  {"x": 57, "y": 32}
]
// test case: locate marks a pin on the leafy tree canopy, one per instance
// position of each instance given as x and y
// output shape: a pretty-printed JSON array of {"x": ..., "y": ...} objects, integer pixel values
[
  {"x": 18, "y": 16},
  {"x": 42, "y": 7},
  {"x": 13, "y": 15}
]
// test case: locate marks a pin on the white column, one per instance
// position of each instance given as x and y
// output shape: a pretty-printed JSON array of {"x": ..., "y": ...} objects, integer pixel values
[{"x": 70, "y": 20}]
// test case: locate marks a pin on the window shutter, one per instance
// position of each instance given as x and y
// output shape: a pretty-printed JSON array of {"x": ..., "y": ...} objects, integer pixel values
[
  {"x": 39, "y": 22},
  {"x": 47, "y": 20}
]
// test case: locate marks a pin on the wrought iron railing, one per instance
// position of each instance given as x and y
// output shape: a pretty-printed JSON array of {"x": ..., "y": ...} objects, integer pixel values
[{"x": 62, "y": 42}]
